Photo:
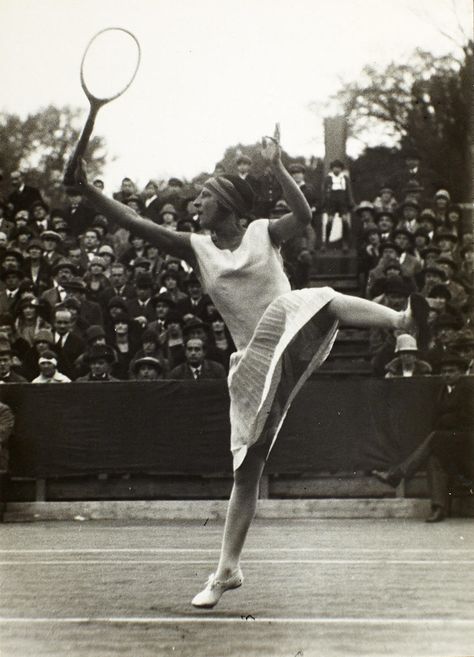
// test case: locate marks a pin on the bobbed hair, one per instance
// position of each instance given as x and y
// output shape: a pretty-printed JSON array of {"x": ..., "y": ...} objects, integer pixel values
[{"x": 243, "y": 188}]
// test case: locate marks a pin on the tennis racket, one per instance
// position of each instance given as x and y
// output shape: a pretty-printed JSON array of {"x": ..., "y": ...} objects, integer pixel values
[{"x": 108, "y": 67}]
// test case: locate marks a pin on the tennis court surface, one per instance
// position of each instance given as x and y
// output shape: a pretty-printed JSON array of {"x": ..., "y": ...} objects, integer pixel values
[{"x": 313, "y": 588}]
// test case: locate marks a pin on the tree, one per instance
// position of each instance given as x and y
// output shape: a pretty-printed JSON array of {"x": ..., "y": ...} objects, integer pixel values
[
  {"x": 423, "y": 104},
  {"x": 42, "y": 143}
]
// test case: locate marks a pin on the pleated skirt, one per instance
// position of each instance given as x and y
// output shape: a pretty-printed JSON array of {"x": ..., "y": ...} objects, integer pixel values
[{"x": 292, "y": 339}]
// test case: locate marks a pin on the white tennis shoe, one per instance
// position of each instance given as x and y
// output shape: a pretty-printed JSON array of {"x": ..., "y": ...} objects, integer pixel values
[{"x": 214, "y": 589}]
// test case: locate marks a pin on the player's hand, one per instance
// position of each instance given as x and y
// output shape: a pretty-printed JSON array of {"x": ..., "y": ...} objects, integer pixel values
[
  {"x": 271, "y": 149},
  {"x": 76, "y": 179}
]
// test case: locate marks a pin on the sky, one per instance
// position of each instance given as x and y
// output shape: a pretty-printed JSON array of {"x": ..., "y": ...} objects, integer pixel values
[{"x": 213, "y": 72}]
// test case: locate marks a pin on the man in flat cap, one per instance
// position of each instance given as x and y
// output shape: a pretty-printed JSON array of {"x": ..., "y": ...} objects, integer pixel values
[
  {"x": 63, "y": 270},
  {"x": 147, "y": 368},
  {"x": 52, "y": 242}
]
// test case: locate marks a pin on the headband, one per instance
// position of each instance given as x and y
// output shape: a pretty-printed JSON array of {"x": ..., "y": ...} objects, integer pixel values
[
  {"x": 226, "y": 193},
  {"x": 53, "y": 361}
]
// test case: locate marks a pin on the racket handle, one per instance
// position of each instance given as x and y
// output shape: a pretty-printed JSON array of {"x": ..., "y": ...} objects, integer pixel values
[{"x": 81, "y": 148}]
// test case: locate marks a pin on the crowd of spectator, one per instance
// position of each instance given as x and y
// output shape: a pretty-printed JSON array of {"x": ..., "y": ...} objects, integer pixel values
[{"x": 81, "y": 299}]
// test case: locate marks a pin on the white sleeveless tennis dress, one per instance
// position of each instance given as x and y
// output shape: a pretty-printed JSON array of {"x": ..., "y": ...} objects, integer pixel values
[{"x": 281, "y": 335}]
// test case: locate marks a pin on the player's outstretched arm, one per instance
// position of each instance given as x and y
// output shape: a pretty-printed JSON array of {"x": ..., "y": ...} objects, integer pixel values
[
  {"x": 293, "y": 224},
  {"x": 174, "y": 243}
]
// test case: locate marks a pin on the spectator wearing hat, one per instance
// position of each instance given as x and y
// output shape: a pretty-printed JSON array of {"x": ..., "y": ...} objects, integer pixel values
[
  {"x": 464, "y": 348},
  {"x": 385, "y": 201},
  {"x": 392, "y": 270},
  {"x": 147, "y": 368},
  {"x": 413, "y": 191},
  {"x": 421, "y": 241},
  {"x": 409, "y": 211},
  {"x": 430, "y": 255},
  {"x": 172, "y": 340},
  {"x": 406, "y": 362},
  {"x": 155, "y": 258},
  {"x": 100, "y": 359},
  {"x": 439, "y": 299},
  {"x": 107, "y": 253},
  {"x": 196, "y": 328},
  {"x": 90, "y": 312},
  {"x": 95, "y": 280},
  {"x": 244, "y": 164},
  {"x": 43, "y": 340},
  {"x": 136, "y": 249},
  {"x": 337, "y": 199},
  {"x": 429, "y": 277},
  {"x": 100, "y": 224},
  {"x": 135, "y": 203},
  {"x": 385, "y": 222},
  {"x": 389, "y": 251},
  {"x": 369, "y": 251},
  {"x": 405, "y": 241},
  {"x": 12, "y": 259},
  {"x": 78, "y": 214},
  {"x": 382, "y": 342},
  {"x": 63, "y": 270},
  {"x": 466, "y": 269},
  {"x": 450, "y": 268},
  {"x": 150, "y": 347},
  {"x": 168, "y": 217},
  {"x": 94, "y": 335},
  {"x": 163, "y": 304},
  {"x": 445, "y": 330},
  {"x": 22, "y": 196},
  {"x": 29, "y": 319},
  {"x": 414, "y": 170},
  {"x": 18, "y": 345},
  {"x": 447, "y": 243},
  {"x": 195, "y": 303},
  {"x": 21, "y": 237},
  {"x": 152, "y": 203},
  {"x": 68, "y": 345},
  {"x": 48, "y": 367},
  {"x": 142, "y": 307},
  {"x": 40, "y": 221},
  {"x": 125, "y": 342},
  {"x": 441, "y": 202},
  {"x": 6, "y": 226},
  {"x": 197, "y": 366},
  {"x": 297, "y": 171},
  {"x": 36, "y": 268},
  {"x": 170, "y": 282},
  {"x": 52, "y": 243},
  {"x": 454, "y": 220},
  {"x": 11, "y": 276},
  {"x": 445, "y": 450},
  {"x": 7, "y": 374}
]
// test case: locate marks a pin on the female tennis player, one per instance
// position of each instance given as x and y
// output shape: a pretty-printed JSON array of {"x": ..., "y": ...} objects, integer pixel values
[{"x": 281, "y": 336}]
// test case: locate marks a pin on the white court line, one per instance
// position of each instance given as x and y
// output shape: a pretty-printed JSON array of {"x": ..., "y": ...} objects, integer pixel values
[
  {"x": 217, "y": 550},
  {"x": 143, "y": 620},
  {"x": 70, "y": 562}
]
